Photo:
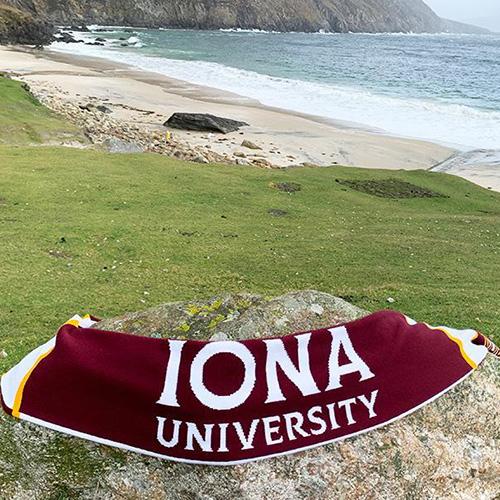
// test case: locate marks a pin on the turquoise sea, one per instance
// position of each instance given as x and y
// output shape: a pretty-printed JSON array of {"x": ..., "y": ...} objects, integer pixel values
[{"x": 444, "y": 88}]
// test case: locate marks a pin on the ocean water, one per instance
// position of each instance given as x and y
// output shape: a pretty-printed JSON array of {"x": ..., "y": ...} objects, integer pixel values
[{"x": 444, "y": 88}]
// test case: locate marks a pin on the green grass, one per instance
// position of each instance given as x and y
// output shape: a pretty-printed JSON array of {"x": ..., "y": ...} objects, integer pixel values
[
  {"x": 23, "y": 120},
  {"x": 87, "y": 231}
]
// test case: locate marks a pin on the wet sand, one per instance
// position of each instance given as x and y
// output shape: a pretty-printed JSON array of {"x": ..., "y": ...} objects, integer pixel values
[{"x": 148, "y": 99}]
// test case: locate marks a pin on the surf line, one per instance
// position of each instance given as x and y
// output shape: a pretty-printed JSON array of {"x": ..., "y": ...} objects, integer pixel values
[{"x": 274, "y": 429}]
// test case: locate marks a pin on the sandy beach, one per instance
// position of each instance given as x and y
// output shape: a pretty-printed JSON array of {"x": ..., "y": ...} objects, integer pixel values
[
  {"x": 148, "y": 99},
  {"x": 142, "y": 101}
]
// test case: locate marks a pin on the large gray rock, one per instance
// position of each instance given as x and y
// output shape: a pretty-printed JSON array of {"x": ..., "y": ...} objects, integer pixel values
[
  {"x": 203, "y": 123},
  {"x": 114, "y": 145},
  {"x": 450, "y": 449}
]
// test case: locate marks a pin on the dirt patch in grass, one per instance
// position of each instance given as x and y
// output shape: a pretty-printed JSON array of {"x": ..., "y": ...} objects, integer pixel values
[
  {"x": 277, "y": 212},
  {"x": 287, "y": 187},
  {"x": 390, "y": 188},
  {"x": 58, "y": 254}
]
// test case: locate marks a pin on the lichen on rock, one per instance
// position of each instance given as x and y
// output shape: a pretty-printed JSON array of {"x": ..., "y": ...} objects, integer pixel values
[{"x": 449, "y": 449}]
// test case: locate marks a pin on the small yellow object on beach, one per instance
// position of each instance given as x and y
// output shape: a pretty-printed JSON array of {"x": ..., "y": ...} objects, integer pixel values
[{"x": 168, "y": 136}]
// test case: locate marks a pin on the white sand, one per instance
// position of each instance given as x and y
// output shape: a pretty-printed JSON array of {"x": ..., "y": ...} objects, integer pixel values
[{"x": 286, "y": 138}]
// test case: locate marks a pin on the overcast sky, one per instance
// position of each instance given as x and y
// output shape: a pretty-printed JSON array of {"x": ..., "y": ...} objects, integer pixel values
[{"x": 484, "y": 12}]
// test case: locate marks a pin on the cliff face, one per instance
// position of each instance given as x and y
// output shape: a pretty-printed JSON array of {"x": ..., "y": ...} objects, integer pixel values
[
  {"x": 278, "y": 15},
  {"x": 20, "y": 27}
]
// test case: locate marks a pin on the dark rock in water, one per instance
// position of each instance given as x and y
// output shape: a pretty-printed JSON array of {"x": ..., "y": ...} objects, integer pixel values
[
  {"x": 81, "y": 29},
  {"x": 66, "y": 38},
  {"x": 122, "y": 38},
  {"x": 20, "y": 27},
  {"x": 203, "y": 123},
  {"x": 99, "y": 39}
]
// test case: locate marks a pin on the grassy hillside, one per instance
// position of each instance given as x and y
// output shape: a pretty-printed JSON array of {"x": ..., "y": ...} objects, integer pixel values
[
  {"x": 23, "y": 120},
  {"x": 87, "y": 231}
]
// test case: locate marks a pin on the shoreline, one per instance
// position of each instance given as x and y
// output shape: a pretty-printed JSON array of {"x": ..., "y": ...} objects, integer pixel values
[
  {"x": 145, "y": 100},
  {"x": 210, "y": 94}
]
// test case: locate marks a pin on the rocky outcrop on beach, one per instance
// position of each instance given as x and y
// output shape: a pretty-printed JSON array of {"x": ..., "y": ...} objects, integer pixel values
[
  {"x": 117, "y": 136},
  {"x": 100, "y": 124},
  {"x": 204, "y": 122},
  {"x": 481, "y": 166},
  {"x": 274, "y": 15},
  {"x": 449, "y": 449},
  {"x": 21, "y": 27}
]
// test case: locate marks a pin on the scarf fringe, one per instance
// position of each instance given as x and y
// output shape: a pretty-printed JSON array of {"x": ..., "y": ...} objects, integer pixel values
[{"x": 491, "y": 346}]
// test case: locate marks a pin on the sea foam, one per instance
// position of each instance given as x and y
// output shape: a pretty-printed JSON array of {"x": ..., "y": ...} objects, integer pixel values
[{"x": 456, "y": 125}]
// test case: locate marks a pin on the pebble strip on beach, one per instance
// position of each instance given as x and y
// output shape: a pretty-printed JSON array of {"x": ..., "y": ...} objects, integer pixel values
[{"x": 102, "y": 129}]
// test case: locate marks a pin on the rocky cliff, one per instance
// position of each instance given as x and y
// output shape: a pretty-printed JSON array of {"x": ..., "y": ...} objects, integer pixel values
[
  {"x": 21, "y": 27},
  {"x": 278, "y": 15}
]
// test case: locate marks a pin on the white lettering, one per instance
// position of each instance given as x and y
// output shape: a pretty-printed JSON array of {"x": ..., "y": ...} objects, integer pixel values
[
  {"x": 175, "y": 433},
  {"x": 193, "y": 434},
  {"x": 369, "y": 404},
  {"x": 331, "y": 413},
  {"x": 270, "y": 430},
  {"x": 223, "y": 437},
  {"x": 301, "y": 377},
  {"x": 346, "y": 404},
  {"x": 169, "y": 395},
  {"x": 246, "y": 441},
  {"x": 340, "y": 337},
  {"x": 311, "y": 415},
  {"x": 207, "y": 397},
  {"x": 293, "y": 422}
]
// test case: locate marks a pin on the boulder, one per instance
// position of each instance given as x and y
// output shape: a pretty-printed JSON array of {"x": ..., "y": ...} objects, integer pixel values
[
  {"x": 203, "y": 122},
  {"x": 449, "y": 449},
  {"x": 66, "y": 38},
  {"x": 81, "y": 29},
  {"x": 250, "y": 145},
  {"x": 115, "y": 145},
  {"x": 103, "y": 109}
]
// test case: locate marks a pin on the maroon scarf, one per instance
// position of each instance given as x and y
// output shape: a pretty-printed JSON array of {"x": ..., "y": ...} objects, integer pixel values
[{"x": 230, "y": 402}]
